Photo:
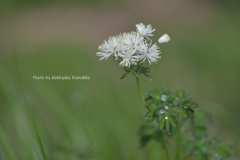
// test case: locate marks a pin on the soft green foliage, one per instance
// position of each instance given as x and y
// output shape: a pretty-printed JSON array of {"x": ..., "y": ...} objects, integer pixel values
[{"x": 171, "y": 110}]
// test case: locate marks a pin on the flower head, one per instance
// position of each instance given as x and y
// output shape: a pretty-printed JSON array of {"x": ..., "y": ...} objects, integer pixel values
[
  {"x": 110, "y": 47},
  {"x": 132, "y": 48},
  {"x": 128, "y": 57},
  {"x": 151, "y": 53},
  {"x": 145, "y": 31},
  {"x": 132, "y": 40}
]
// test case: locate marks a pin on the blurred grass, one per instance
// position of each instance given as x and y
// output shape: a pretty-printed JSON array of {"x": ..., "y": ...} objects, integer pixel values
[{"x": 99, "y": 118}]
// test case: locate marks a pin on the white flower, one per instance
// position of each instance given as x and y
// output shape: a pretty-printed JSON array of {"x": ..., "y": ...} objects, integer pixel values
[
  {"x": 110, "y": 47},
  {"x": 149, "y": 53},
  {"x": 164, "y": 38},
  {"x": 128, "y": 58},
  {"x": 132, "y": 40},
  {"x": 145, "y": 31},
  {"x": 130, "y": 48}
]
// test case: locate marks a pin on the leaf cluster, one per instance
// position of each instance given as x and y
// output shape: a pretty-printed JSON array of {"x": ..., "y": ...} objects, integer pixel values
[
  {"x": 137, "y": 70},
  {"x": 168, "y": 108},
  {"x": 171, "y": 109}
]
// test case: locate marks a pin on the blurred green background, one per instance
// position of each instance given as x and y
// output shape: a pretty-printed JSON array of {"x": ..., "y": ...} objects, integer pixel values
[{"x": 99, "y": 118}]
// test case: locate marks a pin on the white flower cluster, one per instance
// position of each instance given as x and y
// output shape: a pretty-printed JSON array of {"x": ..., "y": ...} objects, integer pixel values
[{"x": 132, "y": 48}]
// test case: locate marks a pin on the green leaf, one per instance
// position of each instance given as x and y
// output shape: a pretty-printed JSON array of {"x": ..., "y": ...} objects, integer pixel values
[
  {"x": 170, "y": 99},
  {"x": 150, "y": 116},
  {"x": 190, "y": 111},
  {"x": 188, "y": 104},
  {"x": 200, "y": 131},
  {"x": 156, "y": 95},
  {"x": 173, "y": 113},
  {"x": 168, "y": 126},
  {"x": 154, "y": 106},
  {"x": 149, "y": 100},
  {"x": 172, "y": 120},
  {"x": 180, "y": 94},
  {"x": 162, "y": 123},
  {"x": 124, "y": 75},
  {"x": 184, "y": 113}
]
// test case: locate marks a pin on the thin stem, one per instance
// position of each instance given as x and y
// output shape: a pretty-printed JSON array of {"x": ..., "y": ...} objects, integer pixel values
[
  {"x": 136, "y": 75},
  {"x": 29, "y": 111},
  {"x": 140, "y": 91},
  {"x": 165, "y": 146},
  {"x": 178, "y": 153}
]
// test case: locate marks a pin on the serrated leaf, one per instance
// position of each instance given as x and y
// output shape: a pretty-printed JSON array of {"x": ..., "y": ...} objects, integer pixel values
[
  {"x": 172, "y": 120},
  {"x": 162, "y": 123}
]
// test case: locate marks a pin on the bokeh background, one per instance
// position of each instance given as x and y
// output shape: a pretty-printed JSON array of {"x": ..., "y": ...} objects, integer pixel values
[{"x": 99, "y": 118}]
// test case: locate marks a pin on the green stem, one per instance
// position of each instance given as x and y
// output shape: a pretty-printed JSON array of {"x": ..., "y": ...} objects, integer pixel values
[
  {"x": 165, "y": 146},
  {"x": 140, "y": 91},
  {"x": 29, "y": 111},
  {"x": 178, "y": 153}
]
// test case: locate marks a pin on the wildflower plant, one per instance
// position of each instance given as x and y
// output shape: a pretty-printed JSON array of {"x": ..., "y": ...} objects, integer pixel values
[{"x": 176, "y": 123}]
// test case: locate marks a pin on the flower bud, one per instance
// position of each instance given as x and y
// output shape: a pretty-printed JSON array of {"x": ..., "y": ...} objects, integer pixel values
[{"x": 164, "y": 38}]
